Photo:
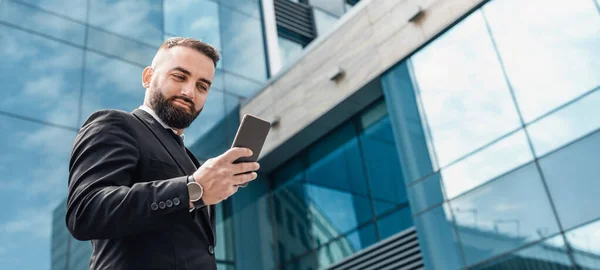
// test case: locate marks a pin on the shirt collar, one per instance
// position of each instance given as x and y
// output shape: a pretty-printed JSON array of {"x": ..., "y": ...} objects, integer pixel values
[{"x": 151, "y": 112}]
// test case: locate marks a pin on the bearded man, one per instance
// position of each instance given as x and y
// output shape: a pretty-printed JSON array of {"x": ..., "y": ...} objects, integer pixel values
[{"x": 135, "y": 190}]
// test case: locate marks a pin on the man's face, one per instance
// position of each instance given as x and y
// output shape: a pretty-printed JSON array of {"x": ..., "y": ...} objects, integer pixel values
[{"x": 179, "y": 85}]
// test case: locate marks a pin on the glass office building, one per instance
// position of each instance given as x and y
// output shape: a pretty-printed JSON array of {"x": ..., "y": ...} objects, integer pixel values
[{"x": 486, "y": 139}]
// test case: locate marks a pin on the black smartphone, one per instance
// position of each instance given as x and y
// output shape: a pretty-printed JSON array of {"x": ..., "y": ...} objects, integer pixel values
[{"x": 251, "y": 134}]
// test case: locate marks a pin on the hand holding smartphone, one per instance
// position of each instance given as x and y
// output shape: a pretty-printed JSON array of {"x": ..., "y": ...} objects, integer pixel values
[{"x": 251, "y": 134}]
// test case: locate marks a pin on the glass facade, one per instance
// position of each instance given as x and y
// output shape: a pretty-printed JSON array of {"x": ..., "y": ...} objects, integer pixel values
[
  {"x": 497, "y": 139},
  {"x": 62, "y": 60}
]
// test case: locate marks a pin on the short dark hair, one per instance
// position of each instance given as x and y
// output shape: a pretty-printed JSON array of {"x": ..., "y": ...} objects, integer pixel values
[{"x": 195, "y": 44}]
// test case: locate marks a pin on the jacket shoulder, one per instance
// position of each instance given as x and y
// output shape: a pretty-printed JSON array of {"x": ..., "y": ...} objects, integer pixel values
[{"x": 108, "y": 117}]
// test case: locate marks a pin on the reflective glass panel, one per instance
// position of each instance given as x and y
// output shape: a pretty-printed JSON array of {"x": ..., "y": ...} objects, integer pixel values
[
  {"x": 335, "y": 7},
  {"x": 110, "y": 83},
  {"x": 414, "y": 149},
  {"x": 324, "y": 22},
  {"x": 253, "y": 230},
  {"x": 426, "y": 193},
  {"x": 468, "y": 105},
  {"x": 585, "y": 246},
  {"x": 138, "y": 20},
  {"x": 363, "y": 237},
  {"x": 395, "y": 222},
  {"x": 34, "y": 169},
  {"x": 550, "y": 254},
  {"x": 75, "y": 9},
  {"x": 196, "y": 19},
  {"x": 250, "y": 7},
  {"x": 224, "y": 250},
  {"x": 509, "y": 212},
  {"x": 243, "y": 43},
  {"x": 437, "y": 239},
  {"x": 545, "y": 46},
  {"x": 382, "y": 165},
  {"x": 41, "y": 78},
  {"x": 289, "y": 51},
  {"x": 299, "y": 213},
  {"x": 335, "y": 212},
  {"x": 496, "y": 159},
  {"x": 34, "y": 19},
  {"x": 80, "y": 253},
  {"x": 239, "y": 86},
  {"x": 127, "y": 49},
  {"x": 572, "y": 177},
  {"x": 566, "y": 125},
  {"x": 335, "y": 162}
]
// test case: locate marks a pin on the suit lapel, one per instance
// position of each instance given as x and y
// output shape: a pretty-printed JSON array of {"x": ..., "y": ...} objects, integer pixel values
[
  {"x": 187, "y": 165},
  {"x": 167, "y": 140}
]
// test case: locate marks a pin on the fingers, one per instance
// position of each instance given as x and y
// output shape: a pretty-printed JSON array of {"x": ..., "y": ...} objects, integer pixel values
[
  {"x": 244, "y": 178},
  {"x": 234, "y": 153},
  {"x": 245, "y": 167}
]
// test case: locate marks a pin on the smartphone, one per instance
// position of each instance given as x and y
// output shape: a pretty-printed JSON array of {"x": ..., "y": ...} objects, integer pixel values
[{"x": 251, "y": 134}]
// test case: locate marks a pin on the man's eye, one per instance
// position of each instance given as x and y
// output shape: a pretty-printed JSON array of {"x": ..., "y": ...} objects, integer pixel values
[{"x": 178, "y": 77}]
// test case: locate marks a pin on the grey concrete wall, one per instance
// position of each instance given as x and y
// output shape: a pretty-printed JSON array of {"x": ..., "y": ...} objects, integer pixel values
[{"x": 375, "y": 36}]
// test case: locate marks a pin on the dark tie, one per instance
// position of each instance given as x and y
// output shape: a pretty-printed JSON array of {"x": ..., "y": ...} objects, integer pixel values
[{"x": 177, "y": 138}]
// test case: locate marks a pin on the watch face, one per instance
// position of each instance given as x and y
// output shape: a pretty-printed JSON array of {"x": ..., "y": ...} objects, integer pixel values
[{"x": 195, "y": 191}]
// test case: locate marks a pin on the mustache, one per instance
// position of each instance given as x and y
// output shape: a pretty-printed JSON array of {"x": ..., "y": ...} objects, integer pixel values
[{"x": 186, "y": 100}]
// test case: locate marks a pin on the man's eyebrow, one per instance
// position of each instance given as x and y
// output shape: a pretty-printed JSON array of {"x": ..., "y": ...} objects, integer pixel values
[
  {"x": 187, "y": 72},
  {"x": 183, "y": 70}
]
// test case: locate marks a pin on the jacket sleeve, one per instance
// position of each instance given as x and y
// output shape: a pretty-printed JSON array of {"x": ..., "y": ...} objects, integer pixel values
[{"x": 103, "y": 199}]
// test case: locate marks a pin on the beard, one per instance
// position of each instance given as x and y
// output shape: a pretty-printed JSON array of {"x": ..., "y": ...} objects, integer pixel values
[{"x": 173, "y": 115}]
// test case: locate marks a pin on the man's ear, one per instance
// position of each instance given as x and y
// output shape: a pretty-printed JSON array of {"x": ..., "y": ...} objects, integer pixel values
[{"x": 147, "y": 77}]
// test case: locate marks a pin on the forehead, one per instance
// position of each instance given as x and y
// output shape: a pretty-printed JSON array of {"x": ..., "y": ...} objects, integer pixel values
[{"x": 190, "y": 59}]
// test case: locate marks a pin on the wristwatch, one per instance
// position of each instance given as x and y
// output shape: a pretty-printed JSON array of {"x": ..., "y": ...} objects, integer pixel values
[{"x": 195, "y": 192}]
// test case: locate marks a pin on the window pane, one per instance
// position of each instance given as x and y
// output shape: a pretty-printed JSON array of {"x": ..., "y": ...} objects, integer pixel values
[
  {"x": 336, "y": 212},
  {"x": 383, "y": 167},
  {"x": 243, "y": 42},
  {"x": 566, "y": 125},
  {"x": 496, "y": 159},
  {"x": 324, "y": 21},
  {"x": 253, "y": 230},
  {"x": 426, "y": 193},
  {"x": 75, "y": 9},
  {"x": 28, "y": 226},
  {"x": 196, "y": 19},
  {"x": 363, "y": 238},
  {"x": 400, "y": 98},
  {"x": 545, "y": 46},
  {"x": 289, "y": 51},
  {"x": 335, "y": 7},
  {"x": 298, "y": 214},
  {"x": 437, "y": 239},
  {"x": 250, "y": 7},
  {"x": 42, "y": 76},
  {"x": 549, "y": 254},
  {"x": 335, "y": 162},
  {"x": 127, "y": 49},
  {"x": 224, "y": 249},
  {"x": 505, "y": 214},
  {"x": 223, "y": 266},
  {"x": 42, "y": 22},
  {"x": 239, "y": 86},
  {"x": 395, "y": 223},
  {"x": 585, "y": 245},
  {"x": 139, "y": 20},
  {"x": 572, "y": 177},
  {"x": 468, "y": 105},
  {"x": 110, "y": 83}
]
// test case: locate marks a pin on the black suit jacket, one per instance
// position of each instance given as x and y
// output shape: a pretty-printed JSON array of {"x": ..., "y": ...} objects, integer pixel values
[{"x": 128, "y": 195}]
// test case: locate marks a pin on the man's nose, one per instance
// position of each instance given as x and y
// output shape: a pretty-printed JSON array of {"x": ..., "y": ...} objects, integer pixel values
[{"x": 189, "y": 90}]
